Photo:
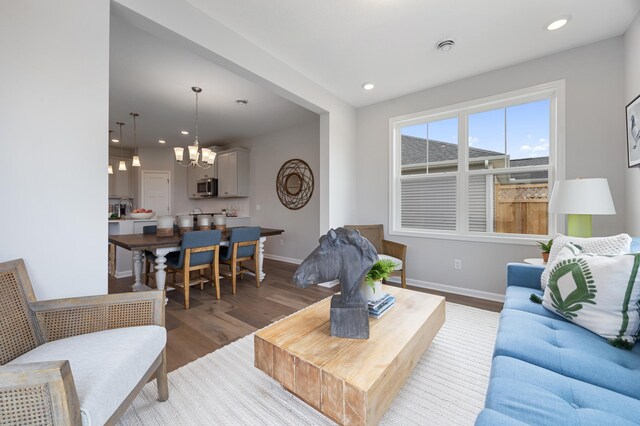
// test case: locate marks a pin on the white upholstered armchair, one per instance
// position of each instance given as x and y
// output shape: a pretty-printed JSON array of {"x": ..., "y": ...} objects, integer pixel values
[{"x": 76, "y": 361}]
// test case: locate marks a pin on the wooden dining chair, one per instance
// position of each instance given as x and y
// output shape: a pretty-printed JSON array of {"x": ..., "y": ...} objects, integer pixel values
[
  {"x": 199, "y": 251},
  {"x": 244, "y": 243},
  {"x": 386, "y": 249}
]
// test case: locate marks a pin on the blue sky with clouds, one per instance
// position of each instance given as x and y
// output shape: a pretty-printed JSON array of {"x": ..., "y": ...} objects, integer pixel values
[{"x": 527, "y": 130}]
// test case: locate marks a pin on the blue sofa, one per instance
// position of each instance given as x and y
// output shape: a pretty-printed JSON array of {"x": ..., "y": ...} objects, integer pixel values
[{"x": 548, "y": 371}]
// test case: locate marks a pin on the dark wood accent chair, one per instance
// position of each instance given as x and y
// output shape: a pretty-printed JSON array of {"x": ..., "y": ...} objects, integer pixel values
[
  {"x": 244, "y": 244},
  {"x": 375, "y": 234},
  {"x": 38, "y": 338},
  {"x": 199, "y": 251}
]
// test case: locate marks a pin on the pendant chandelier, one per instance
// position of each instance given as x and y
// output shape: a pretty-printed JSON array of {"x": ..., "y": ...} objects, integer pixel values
[
  {"x": 202, "y": 158},
  {"x": 136, "y": 160},
  {"x": 122, "y": 166},
  {"x": 110, "y": 166}
]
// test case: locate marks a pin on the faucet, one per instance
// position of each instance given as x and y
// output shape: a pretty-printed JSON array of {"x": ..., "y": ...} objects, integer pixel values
[{"x": 126, "y": 201}]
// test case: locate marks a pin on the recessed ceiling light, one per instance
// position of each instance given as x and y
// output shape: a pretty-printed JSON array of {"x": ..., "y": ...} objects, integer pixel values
[
  {"x": 161, "y": 141},
  {"x": 115, "y": 140},
  {"x": 558, "y": 23},
  {"x": 184, "y": 132},
  {"x": 368, "y": 86},
  {"x": 445, "y": 45}
]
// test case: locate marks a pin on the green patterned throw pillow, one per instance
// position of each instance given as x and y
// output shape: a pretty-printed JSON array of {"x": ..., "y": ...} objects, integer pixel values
[{"x": 598, "y": 292}]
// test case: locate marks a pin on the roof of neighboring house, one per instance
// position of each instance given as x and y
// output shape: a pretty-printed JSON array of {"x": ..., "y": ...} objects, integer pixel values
[
  {"x": 533, "y": 161},
  {"x": 414, "y": 151}
]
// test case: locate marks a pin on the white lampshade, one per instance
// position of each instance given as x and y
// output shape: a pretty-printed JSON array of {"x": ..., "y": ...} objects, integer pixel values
[
  {"x": 212, "y": 157},
  {"x": 110, "y": 169},
  {"x": 179, "y": 153},
  {"x": 205, "y": 154},
  {"x": 136, "y": 161},
  {"x": 193, "y": 153},
  {"x": 581, "y": 196},
  {"x": 122, "y": 166}
]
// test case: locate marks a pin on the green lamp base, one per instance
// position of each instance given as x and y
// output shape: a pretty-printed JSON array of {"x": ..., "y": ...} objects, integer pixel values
[{"x": 579, "y": 225}]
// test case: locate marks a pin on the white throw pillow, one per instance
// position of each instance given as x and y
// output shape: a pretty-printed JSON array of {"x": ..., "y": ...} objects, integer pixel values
[
  {"x": 617, "y": 244},
  {"x": 599, "y": 293}
]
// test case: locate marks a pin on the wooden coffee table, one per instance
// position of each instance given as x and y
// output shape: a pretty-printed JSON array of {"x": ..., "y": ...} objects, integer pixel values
[{"x": 349, "y": 380}]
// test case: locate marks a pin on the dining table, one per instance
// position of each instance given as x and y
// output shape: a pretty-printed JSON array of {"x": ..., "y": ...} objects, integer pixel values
[{"x": 161, "y": 246}]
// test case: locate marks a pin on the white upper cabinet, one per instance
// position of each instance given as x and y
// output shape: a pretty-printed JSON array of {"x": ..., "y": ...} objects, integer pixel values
[{"x": 233, "y": 173}]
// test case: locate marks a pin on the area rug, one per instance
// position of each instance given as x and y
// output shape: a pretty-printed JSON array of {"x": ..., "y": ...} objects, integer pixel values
[{"x": 447, "y": 386}]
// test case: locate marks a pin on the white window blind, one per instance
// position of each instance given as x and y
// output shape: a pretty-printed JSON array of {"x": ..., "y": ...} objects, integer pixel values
[
  {"x": 479, "y": 194},
  {"x": 429, "y": 203}
]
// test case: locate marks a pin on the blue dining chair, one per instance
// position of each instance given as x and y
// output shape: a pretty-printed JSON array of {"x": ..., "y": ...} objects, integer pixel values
[
  {"x": 244, "y": 245},
  {"x": 199, "y": 250}
]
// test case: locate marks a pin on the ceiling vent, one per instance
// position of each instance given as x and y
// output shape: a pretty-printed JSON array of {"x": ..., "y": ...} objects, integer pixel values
[{"x": 445, "y": 45}]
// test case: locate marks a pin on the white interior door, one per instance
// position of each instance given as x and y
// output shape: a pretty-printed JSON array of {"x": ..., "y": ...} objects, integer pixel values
[{"x": 156, "y": 191}]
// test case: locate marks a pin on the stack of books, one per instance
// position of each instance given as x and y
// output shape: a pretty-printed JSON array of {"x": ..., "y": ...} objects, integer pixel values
[{"x": 377, "y": 308}]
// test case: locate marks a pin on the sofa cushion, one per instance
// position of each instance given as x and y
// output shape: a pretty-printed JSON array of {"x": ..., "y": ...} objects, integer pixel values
[
  {"x": 617, "y": 244},
  {"x": 567, "y": 349},
  {"x": 106, "y": 365},
  {"x": 518, "y": 298},
  {"x": 534, "y": 395},
  {"x": 599, "y": 293}
]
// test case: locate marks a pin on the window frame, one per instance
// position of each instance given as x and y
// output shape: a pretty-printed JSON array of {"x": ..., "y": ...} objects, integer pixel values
[{"x": 554, "y": 91}]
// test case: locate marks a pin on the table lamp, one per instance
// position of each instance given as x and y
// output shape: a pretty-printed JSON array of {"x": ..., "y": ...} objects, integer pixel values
[{"x": 581, "y": 198}]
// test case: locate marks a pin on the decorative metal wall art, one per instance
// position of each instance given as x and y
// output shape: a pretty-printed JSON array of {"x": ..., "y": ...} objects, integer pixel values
[{"x": 294, "y": 184}]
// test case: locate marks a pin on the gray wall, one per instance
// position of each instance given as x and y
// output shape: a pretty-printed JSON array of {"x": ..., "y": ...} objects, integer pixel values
[
  {"x": 595, "y": 147},
  {"x": 54, "y": 108},
  {"x": 632, "y": 89},
  {"x": 268, "y": 153}
]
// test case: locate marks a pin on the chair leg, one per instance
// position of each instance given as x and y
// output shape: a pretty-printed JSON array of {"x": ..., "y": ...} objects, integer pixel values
[
  {"x": 185, "y": 282},
  {"x": 216, "y": 273},
  {"x": 403, "y": 278},
  {"x": 200, "y": 278},
  {"x": 161, "y": 378},
  {"x": 233, "y": 277},
  {"x": 256, "y": 269}
]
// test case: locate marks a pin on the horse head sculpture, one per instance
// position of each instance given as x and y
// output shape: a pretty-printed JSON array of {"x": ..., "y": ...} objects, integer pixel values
[{"x": 343, "y": 254}]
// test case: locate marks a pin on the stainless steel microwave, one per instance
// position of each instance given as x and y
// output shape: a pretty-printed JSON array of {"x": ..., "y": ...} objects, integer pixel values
[{"x": 207, "y": 188}]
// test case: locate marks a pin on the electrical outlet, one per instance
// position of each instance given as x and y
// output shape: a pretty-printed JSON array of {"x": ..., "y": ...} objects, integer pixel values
[
  {"x": 281, "y": 242},
  {"x": 257, "y": 206},
  {"x": 457, "y": 264}
]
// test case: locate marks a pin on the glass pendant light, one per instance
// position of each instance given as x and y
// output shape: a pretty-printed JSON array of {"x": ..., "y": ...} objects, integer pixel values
[
  {"x": 122, "y": 166},
  {"x": 136, "y": 160}
]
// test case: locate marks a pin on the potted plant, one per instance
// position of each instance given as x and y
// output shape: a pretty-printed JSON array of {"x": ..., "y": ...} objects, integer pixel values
[
  {"x": 546, "y": 248},
  {"x": 373, "y": 280}
]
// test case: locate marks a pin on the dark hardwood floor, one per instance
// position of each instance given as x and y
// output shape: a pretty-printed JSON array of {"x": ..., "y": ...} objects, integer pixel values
[{"x": 210, "y": 324}]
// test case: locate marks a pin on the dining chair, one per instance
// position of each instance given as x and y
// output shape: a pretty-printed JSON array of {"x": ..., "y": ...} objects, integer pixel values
[
  {"x": 244, "y": 245},
  {"x": 199, "y": 250},
  {"x": 386, "y": 249}
]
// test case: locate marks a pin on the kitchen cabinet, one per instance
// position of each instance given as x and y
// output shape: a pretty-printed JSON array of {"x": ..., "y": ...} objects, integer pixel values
[
  {"x": 194, "y": 174},
  {"x": 233, "y": 173},
  {"x": 121, "y": 181}
]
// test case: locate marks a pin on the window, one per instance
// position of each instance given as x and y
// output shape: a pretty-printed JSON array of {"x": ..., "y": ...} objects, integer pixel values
[{"x": 477, "y": 170}]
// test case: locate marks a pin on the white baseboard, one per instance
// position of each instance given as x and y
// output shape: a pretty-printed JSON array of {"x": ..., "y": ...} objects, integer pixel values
[
  {"x": 282, "y": 258},
  {"x": 452, "y": 289},
  {"x": 123, "y": 274}
]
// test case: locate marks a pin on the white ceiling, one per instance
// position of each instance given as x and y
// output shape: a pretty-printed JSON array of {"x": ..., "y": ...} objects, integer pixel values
[
  {"x": 153, "y": 77},
  {"x": 342, "y": 43}
]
